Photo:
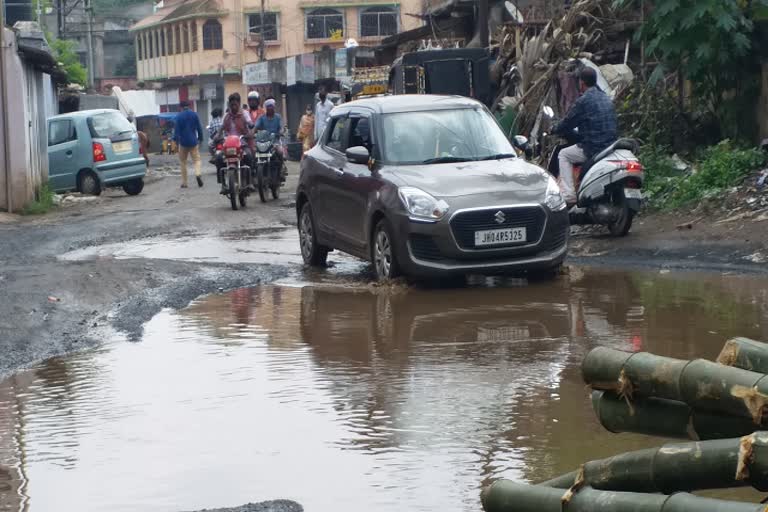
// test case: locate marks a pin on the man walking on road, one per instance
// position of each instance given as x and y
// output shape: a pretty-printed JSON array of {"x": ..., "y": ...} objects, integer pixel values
[
  {"x": 322, "y": 111},
  {"x": 188, "y": 136}
]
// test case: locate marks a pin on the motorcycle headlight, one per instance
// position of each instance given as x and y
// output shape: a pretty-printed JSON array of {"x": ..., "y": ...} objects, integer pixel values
[
  {"x": 554, "y": 198},
  {"x": 263, "y": 147},
  {"x": 422, "y": 206}
]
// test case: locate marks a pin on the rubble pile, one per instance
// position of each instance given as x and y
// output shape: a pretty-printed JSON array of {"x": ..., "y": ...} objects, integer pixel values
[{"x": 535, "y": 70}]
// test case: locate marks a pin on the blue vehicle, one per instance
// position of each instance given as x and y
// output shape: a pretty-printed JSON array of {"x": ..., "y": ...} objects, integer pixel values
[{"x": 94, "y": 149}]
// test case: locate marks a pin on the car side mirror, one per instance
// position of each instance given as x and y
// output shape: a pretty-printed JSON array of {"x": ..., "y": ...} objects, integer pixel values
[{"x": 358, "y": 155}]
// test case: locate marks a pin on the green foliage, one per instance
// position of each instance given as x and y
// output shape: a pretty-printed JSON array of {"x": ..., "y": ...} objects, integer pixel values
[
  {"x": 711, "y": 44},
  {"x": 42, "y": 204},
  {"x": 64, "y": 51},
  {"x": 720, "y": 167}
]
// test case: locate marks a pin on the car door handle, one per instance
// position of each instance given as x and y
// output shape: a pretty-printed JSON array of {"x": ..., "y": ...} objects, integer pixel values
[
  {"x": 339, "y": 172},
  {"x": 69, "y": 153}
]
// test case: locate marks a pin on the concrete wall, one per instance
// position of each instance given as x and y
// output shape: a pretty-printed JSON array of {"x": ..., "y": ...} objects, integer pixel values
[{"x": 31, "y": 101}]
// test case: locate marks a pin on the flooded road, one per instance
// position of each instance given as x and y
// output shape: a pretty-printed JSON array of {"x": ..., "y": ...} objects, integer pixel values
[{"x": 350, "y": 398}]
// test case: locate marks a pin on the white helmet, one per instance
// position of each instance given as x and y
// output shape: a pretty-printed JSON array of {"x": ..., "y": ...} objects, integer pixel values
[{"x": 253, "y": 94}]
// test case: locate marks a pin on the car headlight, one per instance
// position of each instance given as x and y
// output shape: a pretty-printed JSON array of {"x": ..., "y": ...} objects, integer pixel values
[
  {"x": 421, "y": 205},
  {"x": 554, "y": 198},
  {"x": 263, "y": 147}
]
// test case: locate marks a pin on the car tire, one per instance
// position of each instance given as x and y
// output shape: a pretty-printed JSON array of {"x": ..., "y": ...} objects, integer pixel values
[
  {"x": 312, "y": 252},
  {"x": 134, "y": 187},
  {"x": 89, "y": 184},
  {"x": 383, "y": 252}
]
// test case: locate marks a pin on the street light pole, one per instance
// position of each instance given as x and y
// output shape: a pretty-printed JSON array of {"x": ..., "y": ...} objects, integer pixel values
[{"x": 89, "y": 42}]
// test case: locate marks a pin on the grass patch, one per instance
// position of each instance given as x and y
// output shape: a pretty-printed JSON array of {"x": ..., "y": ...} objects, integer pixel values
[
  {"x": 42, "y": 204},
  {"x": 718, "y": 168}
]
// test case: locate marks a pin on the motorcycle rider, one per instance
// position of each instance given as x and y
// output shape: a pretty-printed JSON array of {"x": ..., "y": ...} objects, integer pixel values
[
  {"x": 236, "y": 122},
  {"x": 595, "y": 117},
  {"x": 273, "y": 123},
  {"x": 254, "y": 109}
]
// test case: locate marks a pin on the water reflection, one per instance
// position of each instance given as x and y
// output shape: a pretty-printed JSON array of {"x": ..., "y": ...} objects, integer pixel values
[{"x": 349, "y": 397}]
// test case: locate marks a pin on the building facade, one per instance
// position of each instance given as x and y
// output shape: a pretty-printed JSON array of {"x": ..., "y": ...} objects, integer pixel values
[{"x": 197, "y": 49}]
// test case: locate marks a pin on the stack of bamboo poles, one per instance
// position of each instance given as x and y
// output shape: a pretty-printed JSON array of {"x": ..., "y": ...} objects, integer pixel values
[{"x": 719, "y": 406}]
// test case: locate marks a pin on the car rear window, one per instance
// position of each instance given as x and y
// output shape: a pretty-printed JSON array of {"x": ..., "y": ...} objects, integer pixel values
[{"x": 109, "y": 124}]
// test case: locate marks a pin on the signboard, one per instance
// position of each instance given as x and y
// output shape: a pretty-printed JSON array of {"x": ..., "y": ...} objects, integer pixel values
[
  {"x": 307, "y": 68},
  {"x": 341, "y": 65},
  {"x": 209, "y": 91},
  {"x": 257, "y": 73},
  {"x": 290, "y": 71}
]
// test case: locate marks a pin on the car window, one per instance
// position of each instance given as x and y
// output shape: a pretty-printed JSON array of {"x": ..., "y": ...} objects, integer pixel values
[
  {"x": 462, "y": 134},
  {"x": 61, "y": 131},
  {"x": 336, "y": 133},
  {"x": 360, "y": 133},
  {"x": 108, "y": 124}
]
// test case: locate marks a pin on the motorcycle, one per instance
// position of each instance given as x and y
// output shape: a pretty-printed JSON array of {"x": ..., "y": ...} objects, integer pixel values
[
  {"x": 268, "y": 168},
  {"x": 608, "y": 185},
  {"x": 235, "y": 176}
]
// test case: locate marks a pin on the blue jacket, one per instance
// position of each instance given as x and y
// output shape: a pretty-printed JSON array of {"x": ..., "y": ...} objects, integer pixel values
[
  {"x": 188, "y": 132},
  {"x": 593, "y": 114}
]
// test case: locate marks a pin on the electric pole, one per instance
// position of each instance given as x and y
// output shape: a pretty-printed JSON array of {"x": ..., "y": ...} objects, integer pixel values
[
  {"x": 89, "y": 42},
  {"x": 261, "y": 34},
  {"x": 482, "y": 17}
]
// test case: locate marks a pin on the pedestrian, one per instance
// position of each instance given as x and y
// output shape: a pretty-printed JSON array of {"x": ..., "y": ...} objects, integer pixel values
[
  {"x": 188, "y": 136},
  {"x": 306, "y": 131},
  {"x": 143, "y": 139},
  {"x": 322, "y": 111},
  {"x": 213, "y": 128},
  {"x": 254, "y": 109}
]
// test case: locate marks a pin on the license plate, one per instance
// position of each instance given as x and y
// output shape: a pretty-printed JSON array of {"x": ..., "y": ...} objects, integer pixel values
[
  {"x": 500, "y": 236},
  {"x": 633, "y": 193},
  {"x": 263, "y": 155},
  {"x": 122, "y": 147}
]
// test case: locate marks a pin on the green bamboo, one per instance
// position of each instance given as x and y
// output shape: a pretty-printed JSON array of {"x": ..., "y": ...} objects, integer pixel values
[
  {"x": 746, "y": 354},
  {"x": 665, "y": 418},
  {"x": 701, "y": 384},
  {"x": 507, "y": 496},
  {"x": 677, "y": 467}
]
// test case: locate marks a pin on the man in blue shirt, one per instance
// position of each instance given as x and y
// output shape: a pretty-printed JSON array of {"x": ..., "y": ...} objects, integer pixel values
[
  {"x": 273, "y": 123},
  {"x": 595, "y": 117},
  {"x": 188, "y": 136}
]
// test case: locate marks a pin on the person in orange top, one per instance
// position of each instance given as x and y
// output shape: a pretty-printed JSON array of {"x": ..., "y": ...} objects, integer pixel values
[
  {"x": 307, "y": 130},
  {"x": 254, "y": 107}
]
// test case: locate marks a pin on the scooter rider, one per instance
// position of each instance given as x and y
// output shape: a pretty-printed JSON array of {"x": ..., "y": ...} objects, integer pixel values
[
  {"x": 236, "y": 122},
  {"x": 594, "y": 116}
]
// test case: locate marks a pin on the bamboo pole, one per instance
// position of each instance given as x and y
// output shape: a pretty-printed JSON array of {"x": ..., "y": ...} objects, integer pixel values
[
  {"x": 699, "y": 383},
  {"x": 746, "y": 354},
  {"x": 665, "y": 418},
  {"x": 678, "y": 467},
  {"x": 507, "y": 496}
]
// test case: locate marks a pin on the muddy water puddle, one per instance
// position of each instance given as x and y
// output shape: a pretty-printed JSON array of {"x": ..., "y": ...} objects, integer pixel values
[{"x": 349, "y": 398}]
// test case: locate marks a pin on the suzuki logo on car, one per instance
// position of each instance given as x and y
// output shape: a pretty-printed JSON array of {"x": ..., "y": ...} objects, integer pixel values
[{"x": 500, "y": 217}]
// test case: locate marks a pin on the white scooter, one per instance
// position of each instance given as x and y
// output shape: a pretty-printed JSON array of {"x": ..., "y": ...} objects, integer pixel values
[{"x": 608, "y": 186}]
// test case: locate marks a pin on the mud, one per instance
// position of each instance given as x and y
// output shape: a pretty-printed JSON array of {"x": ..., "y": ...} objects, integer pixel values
[{"x": 352, "y": 397}]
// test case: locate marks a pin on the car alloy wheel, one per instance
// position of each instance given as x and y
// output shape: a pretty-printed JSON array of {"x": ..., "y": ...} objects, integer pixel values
[
  {"x": 306, "y": 235},
  {"x": 383, "y": 254}
]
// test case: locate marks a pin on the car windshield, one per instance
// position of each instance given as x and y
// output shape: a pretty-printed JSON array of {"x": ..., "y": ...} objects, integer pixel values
[
  {"x": 109, "y": 124},
  {"x": 458, "y": 135}
]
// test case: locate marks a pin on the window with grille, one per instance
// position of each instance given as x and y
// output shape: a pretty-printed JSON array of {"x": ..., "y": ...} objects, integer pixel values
[
  {"x": 193, "y": 31},
  {"x": 270, "y": 28},
  {"x": 325, "y": 24},
  {"x": 378, "y": 21},
  {"x": 212, "y": 39}
]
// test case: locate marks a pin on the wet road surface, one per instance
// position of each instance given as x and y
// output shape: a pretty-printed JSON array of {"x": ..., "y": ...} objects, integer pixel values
[{"x": 350, "y": 397}]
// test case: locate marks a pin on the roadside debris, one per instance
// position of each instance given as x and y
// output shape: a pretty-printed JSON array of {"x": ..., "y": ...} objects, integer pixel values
[
  {"x": 72, "y": 199},
  {"x": 51, "y": 298}
]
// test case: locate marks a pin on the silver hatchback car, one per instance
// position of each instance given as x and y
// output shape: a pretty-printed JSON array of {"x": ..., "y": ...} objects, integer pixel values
[{"x": 427, "y": 186}]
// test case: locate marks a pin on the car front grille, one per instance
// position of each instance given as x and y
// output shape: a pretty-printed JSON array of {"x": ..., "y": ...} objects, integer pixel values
[
  {"x": 464, "y": 224},
  {"x": 423, "y": 247}
]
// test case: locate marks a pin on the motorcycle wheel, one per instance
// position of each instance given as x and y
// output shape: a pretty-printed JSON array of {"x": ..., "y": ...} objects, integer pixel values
[
  {"x": 623, "y": 224},
  {"x": 261, "y": 185},
  {"x": 232, "y": 191},
  {"x": 243, "y": 198}
]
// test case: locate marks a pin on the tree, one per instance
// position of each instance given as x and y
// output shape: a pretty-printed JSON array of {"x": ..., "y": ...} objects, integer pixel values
[
  {"x": 712, "y": 44},
  {"x": 64, "y": 51}
]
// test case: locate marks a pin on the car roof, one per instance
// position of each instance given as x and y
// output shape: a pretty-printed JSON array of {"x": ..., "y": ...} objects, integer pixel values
[
  {"x": 83, "y": 113},
  {"x": 410, "y": 103}
]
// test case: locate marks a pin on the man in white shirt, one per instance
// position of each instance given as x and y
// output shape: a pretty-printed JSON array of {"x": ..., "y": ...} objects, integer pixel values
[{"x": 322, "y": 111}]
